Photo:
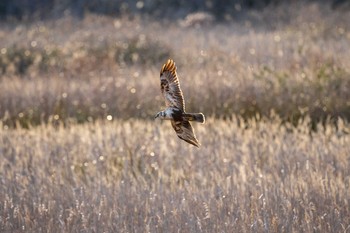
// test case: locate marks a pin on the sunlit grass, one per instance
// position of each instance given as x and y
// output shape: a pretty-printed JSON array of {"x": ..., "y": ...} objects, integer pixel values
[
  {"x": 80, "y": 151},
  {"x": 86, "y": 70},
  {"x": 138, "y": 176}
]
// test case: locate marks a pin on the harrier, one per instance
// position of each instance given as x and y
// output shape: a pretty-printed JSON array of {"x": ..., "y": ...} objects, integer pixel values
[{"x": 174, "y": 100}]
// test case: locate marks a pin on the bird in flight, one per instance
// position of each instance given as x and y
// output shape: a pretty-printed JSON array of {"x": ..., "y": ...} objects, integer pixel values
[{"x": 175, "y": 105}]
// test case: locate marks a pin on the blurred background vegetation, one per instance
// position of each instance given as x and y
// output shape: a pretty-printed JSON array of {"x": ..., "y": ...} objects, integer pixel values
[
  {"x": 272, "y": 78},
  {"x": 44, "y": 9},
  {"x": 83, "y": 60}
]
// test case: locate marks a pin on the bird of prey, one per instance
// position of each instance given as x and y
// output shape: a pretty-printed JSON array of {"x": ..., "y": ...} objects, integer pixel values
[{"x": 175, "y": 105}]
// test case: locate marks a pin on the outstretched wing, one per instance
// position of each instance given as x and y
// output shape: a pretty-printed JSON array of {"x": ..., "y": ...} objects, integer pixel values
[
  {"x": 170, "y": 86},
  {"x": 185, "y": 132}
]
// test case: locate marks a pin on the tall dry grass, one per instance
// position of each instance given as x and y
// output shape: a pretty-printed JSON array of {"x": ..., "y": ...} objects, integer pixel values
[
  {"x": 294, "y": 61},
  {"x": 264, "y": 82},
  {"x": 137, "y": 176}
]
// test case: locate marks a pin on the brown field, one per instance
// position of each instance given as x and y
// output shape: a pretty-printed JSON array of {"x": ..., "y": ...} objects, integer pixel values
[
  {"x": 136, "y": 176},
  {"x": 86, "y": 70},
  {"x": 80, "y": 152}
]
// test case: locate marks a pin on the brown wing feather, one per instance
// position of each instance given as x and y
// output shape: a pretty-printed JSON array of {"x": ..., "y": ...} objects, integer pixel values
[
  {"x": 170, "y": 86},
  {"x": 185, "y": 132}
]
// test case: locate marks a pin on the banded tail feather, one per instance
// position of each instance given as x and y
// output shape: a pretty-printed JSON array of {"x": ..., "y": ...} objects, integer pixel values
[{"x": 198, "y": 117}]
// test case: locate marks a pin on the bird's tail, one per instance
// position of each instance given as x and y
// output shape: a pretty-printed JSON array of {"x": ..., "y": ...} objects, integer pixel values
[{"x": 198, "y": 117}]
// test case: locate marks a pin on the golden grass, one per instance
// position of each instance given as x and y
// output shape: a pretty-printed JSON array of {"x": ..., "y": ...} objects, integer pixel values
[
  {"x": 86, "y": 70},
  {"x": 263, "y": 83},
  {"x": 137, "y": 176}
]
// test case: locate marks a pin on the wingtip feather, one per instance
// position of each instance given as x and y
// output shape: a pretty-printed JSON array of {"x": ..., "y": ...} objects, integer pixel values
[
  {"x": 194, "y": 141},
  {"x": 169, "y": 66}
]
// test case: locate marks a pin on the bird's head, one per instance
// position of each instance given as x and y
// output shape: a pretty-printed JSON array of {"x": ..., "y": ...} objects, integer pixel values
[{"x": 159, "y": 115}]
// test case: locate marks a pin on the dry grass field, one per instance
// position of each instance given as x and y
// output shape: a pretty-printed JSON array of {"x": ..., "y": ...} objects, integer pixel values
[
  {"x": 136, "y": 176},
  {"x": 80, "y": 151}
]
